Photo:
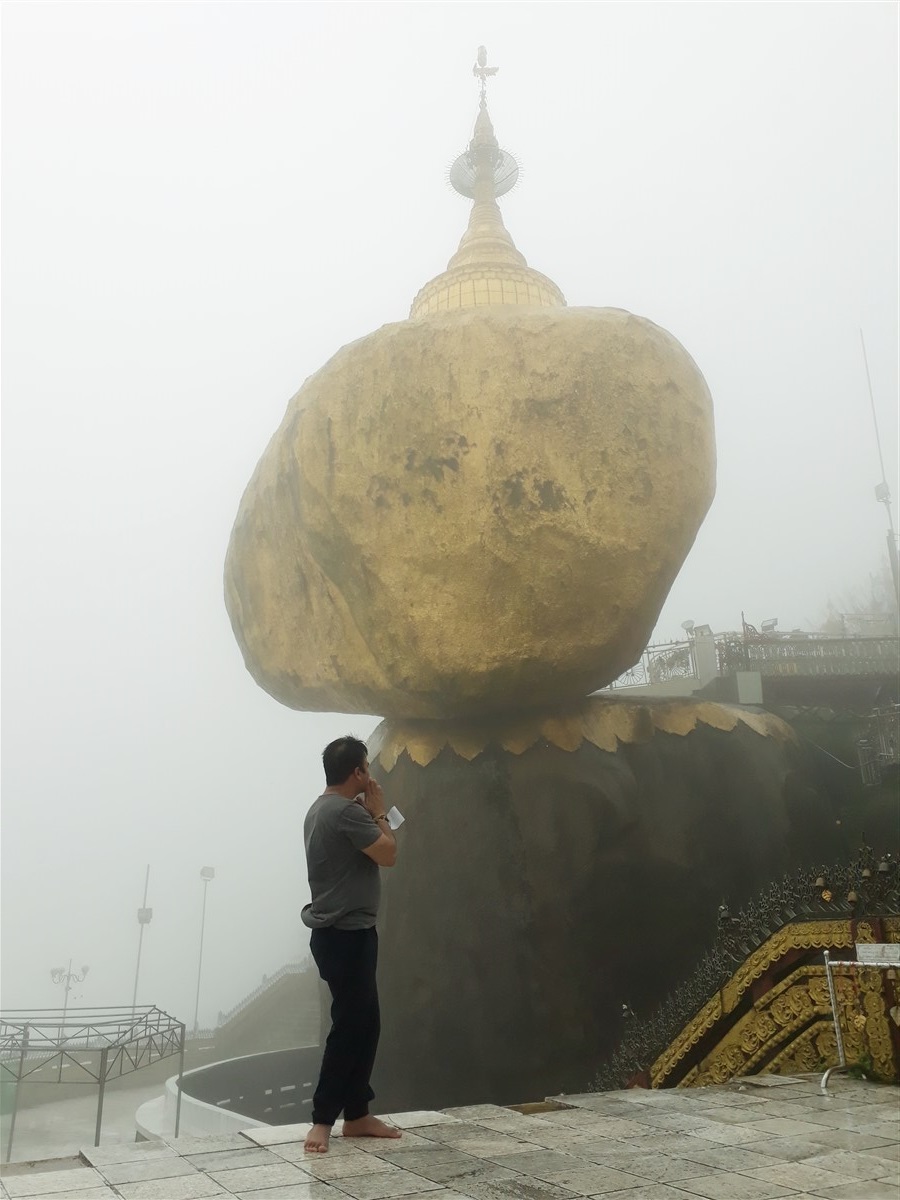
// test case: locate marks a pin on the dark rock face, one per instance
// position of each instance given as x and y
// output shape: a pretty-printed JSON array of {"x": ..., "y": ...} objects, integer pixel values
[{"x": 537, "y": 893}]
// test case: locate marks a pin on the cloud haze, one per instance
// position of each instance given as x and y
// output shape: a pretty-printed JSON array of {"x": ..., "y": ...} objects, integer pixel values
[{"x": 202, "y": 202}]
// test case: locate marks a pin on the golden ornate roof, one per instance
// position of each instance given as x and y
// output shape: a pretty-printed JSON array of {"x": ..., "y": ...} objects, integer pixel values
[{"x": 487, "y": 268}]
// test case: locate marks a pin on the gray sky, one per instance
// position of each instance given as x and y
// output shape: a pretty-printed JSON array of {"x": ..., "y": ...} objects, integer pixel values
[{"x": 201, "y": 204}]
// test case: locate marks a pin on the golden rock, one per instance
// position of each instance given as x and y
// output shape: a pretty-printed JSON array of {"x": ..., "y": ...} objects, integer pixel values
[{"x": 476, "y": 511}]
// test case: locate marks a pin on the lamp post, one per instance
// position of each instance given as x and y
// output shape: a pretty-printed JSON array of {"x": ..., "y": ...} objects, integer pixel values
[
  {"x": 882, "y": 491},
  {"x": 67, "y": 977},
  {"x": 144, "y": 916},
  {"x": 206, "y": 874}
]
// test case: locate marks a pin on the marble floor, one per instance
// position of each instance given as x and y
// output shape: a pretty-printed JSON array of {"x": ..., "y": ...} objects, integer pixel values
[{"x": 752, "y": 1139}]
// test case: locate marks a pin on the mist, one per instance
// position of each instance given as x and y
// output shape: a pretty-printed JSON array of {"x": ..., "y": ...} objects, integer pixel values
[{"x": 202, "y": 203}]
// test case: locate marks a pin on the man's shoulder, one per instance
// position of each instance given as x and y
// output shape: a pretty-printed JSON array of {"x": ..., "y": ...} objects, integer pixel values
[
  {"x": 325, "y": 803},
  {"x": 327, "y": 808},
  {"x": 332, "y": 814}
]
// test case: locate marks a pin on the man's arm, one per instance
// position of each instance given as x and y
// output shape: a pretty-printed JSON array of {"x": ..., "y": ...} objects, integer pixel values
[{"x": 384, "y": 851}]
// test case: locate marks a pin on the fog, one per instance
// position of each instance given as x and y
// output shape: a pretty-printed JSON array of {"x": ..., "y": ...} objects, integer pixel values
[{"x": 201, "y": 204}]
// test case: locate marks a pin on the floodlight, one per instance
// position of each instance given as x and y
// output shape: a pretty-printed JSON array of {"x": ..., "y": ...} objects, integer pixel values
[
  {"x": 768, "y": 625},
  {"x": 687, "y": 626},
  {"x": 207, "y": 872}
]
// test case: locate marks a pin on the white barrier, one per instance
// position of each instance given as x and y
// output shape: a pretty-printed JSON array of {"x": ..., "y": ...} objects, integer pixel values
[{"x": 156, "y": 1118}]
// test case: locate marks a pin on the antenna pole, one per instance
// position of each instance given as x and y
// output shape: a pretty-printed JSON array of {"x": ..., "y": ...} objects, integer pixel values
[
  {"x": 883, "y": 492},
  {"x": 874, "y": 417}
]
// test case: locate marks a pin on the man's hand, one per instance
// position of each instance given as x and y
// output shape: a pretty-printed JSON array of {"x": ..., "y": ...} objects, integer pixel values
[
  {"x": 384, "y": 851},
  {"x": 373, "y": 799}
]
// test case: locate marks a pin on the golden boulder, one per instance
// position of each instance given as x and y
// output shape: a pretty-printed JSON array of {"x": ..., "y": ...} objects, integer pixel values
[{"x": 476, "y": 511}]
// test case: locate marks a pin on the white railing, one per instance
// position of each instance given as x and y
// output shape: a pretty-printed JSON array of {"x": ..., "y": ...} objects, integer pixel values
[
  {"x": 291, "y": 968},
  {"x": 769, "y": 655}
]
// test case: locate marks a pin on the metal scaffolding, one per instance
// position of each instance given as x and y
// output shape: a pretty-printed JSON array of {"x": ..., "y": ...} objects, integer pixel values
[{"x": 94, "y": 1045}]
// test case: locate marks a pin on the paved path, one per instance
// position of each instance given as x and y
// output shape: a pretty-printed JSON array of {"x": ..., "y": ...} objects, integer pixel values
[
  {"x": 754, "y": 1139},
  {"x": 55, "y": 1128}
]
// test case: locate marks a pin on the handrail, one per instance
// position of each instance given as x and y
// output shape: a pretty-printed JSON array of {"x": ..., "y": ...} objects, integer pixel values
[
  {"x": 810, "y": 654},
  {"x": 296, "y": 967}
]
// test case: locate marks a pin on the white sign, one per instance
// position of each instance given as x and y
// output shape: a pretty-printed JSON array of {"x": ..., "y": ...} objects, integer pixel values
[{"x": 878, "y": 952}]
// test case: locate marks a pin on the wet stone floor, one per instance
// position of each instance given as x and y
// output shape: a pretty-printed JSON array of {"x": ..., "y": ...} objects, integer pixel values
[{"x": 751, "y": 1139}]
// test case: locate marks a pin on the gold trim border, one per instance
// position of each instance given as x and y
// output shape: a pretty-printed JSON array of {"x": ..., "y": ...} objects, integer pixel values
[
  {"x": 603, "y": 722},
  {"x": 810, "y": 935}
]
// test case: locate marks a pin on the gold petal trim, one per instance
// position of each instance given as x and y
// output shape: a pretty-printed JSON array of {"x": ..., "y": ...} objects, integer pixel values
[{"x": 603, "y": 722}]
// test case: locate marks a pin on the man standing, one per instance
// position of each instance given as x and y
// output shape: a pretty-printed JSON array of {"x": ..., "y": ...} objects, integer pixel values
[{"x": 348, "y": 838}]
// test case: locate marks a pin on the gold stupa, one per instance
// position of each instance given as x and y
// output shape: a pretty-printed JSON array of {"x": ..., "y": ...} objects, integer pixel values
[
  {"x": 479, "y": 509},
  {"x": 487, "y": 268}
]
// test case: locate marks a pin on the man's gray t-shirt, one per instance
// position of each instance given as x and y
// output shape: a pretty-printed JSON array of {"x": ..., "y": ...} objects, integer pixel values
[{"x": 344, "y": 883}]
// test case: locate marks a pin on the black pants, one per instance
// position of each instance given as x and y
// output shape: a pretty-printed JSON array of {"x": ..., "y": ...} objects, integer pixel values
[{"x": 347, "y": 959}]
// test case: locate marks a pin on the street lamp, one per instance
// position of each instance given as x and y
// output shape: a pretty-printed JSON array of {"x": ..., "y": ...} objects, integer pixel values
[
  {"x": 67, "y": 977},
  {"x": 882, "y": 491},
  {"x": 206, "y": 874},
  {"x": 144, "y": 916}
]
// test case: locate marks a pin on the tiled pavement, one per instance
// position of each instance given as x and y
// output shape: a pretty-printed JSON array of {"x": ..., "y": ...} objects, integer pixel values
[{"x": 754, "y": 1139}]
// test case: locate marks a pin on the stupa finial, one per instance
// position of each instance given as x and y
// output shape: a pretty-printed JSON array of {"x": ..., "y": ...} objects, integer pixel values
[
  {"x": 487, "y": 268},
  {"x": 484, "y": 171},
  {"x": 482, "y": 71}
]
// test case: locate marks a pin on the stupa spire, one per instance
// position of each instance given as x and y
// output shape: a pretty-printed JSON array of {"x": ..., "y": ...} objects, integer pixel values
[
  {"x": 486, "y": 268},
  {"x": 482, "y": 173}
]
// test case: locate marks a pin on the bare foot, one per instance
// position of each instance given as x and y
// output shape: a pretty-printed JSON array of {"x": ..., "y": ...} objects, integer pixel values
[
  {"x": 370, "y": 1127},
  {"x": 317, "y": 1139}
]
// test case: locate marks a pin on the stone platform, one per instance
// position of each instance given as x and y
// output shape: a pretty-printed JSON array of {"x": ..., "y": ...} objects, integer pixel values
[{"x": 752, "y": 1139}]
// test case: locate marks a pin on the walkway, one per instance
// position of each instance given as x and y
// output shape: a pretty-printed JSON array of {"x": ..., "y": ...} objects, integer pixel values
[{"x": 754, "y": 1139}]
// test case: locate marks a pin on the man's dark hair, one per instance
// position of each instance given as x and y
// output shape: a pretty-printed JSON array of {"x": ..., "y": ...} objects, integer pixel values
[{"x": 341, "y": 758}]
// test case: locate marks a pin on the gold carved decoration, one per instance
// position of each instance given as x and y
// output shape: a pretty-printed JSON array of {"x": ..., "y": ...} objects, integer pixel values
[
  {"x": 708, "y": 1015},
  {"x": 817, "y": 935},
  {"x": 789, "y": 1028},
  {"x": 808, "y": 1051},
  {"x": 602, "y": 721},
  {"x": 876, "y": 1031}
]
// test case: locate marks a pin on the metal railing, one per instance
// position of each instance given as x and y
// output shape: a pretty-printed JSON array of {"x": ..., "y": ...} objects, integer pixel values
[
  {"x": 98, "y": 1044},
  {"x": 661, "y": 663},
  {"x": 809, "y": 655},
  {"x": 291, "y": 968},
  {"x": 774, "y": 655}
]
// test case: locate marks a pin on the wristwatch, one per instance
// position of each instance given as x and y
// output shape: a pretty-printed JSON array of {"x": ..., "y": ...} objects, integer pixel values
[{"x": 383, "y": 817}]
